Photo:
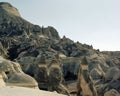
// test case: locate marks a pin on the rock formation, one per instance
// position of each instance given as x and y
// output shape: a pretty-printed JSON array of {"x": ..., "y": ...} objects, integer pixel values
[
  {"x": 2, "y": 83},
  {"x": 23, "y": 80},
  {"x": 12, "y": 75},
  {"x": 24, "y": 43},
  {"x": 8, "y": 8},
  {"x": 112, "y": 92},
  {"x": 85, "y": 82},
  {"x": 55, "y": 79},
  {"x": 41, "y": 73}
]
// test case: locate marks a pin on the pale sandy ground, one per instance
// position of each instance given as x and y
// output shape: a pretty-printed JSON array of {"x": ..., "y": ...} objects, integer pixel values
[{"x": 22, "y": 91}]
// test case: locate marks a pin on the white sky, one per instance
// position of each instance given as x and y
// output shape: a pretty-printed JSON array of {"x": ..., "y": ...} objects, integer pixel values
[{"x": 94, "y": 22}]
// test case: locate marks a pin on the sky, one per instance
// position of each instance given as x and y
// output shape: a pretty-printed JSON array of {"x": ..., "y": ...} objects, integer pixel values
[{"x": 93, "y": 22}]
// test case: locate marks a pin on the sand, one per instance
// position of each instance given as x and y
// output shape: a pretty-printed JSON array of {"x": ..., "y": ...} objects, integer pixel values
[{"x": 22, "y": 91}]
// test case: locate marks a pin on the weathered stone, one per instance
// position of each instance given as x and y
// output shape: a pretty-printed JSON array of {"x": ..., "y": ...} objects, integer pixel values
[
  {"x": 9, "y": 8},
  {"x": 21, "y": 79},
  {"x": 25, "y": 43},
  {"x": 96, "y": 74},
  {"x": 112, "y": 92},
  {"x": 13, "y": 75},
  {"x": 41, "y": 73},
  {"x": 2, "y": 83},
  {"x": 85, "y": 84},
  {"x": 112, "y": 74},
  {"x": 55, "y": 79}
]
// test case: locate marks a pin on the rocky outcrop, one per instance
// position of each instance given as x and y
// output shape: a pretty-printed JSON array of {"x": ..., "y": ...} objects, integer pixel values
[
  {"x": 55, "y": 79},
  {"x": 25, "y": 43},
  {"x": 41, "y": 73},
  {"x": 4, "y": 6},
  {"x": 70, "y": 48},
  {"x": 49, "y": 75},
  {"x": 12, "y": 75},
  {"x": 85, "y": 83}
]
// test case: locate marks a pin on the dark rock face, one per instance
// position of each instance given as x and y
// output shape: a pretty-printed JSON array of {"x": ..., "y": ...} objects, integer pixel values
[{"x": 26, "y": 43}]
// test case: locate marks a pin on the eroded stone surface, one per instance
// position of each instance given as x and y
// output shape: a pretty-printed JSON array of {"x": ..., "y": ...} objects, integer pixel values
[{"x": 12, "y": 74}]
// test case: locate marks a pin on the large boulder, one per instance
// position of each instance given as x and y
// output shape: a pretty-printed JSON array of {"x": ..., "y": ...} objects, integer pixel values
[
  {"x": 21, "y": 79},
  {"x": 14, "y": 76}
]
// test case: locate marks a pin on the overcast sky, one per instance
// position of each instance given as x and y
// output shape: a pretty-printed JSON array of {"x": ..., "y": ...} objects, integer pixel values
[{"x": 94, "y": 22}]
